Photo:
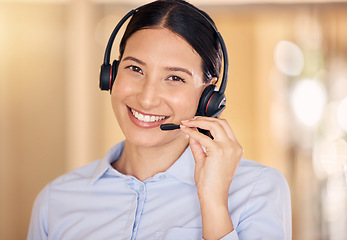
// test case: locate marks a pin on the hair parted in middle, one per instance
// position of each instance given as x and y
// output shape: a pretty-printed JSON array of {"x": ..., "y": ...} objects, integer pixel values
[{"x": 187, "y": 21}]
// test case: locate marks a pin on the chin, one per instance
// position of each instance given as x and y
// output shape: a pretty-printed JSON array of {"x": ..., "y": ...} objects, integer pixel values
[{"x": 151, "y": 139}]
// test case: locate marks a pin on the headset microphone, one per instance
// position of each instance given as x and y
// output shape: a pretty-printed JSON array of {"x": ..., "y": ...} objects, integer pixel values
[{"x": 169, "y": 126}]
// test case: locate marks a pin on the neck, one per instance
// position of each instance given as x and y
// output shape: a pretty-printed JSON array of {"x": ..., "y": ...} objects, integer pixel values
[{"x": 145, "y": 162}]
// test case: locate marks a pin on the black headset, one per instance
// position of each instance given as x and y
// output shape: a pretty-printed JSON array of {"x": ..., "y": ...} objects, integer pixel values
[{"x": 212, "y": 100}]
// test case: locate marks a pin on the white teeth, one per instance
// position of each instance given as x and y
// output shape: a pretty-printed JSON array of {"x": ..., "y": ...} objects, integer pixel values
[{"x": 146, "y": 118}]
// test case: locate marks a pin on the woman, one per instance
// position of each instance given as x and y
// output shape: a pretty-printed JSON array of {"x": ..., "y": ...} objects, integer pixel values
[{"x": 178, "y": 184}]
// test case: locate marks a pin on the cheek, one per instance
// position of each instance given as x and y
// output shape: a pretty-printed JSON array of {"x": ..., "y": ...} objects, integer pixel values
[
  {"x": 121, "y": 88},
  {"x": 120, "y": 91},
  {"x": 186, "y": 102}
]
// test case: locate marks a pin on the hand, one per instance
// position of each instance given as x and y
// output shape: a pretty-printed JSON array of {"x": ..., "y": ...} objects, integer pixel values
[{"x": 215, "y": 164}]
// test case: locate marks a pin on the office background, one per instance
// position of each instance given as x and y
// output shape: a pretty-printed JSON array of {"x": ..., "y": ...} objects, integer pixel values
[{"x": 287, "y": 98}]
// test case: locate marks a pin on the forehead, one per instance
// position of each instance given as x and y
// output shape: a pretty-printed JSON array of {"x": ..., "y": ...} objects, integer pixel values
[{"x": 161, "y": 44}]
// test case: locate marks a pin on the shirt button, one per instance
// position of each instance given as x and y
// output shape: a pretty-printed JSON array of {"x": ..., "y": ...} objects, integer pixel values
[
  {"x": 141, "y": 188},
  {"x": 162, "y": 177}
]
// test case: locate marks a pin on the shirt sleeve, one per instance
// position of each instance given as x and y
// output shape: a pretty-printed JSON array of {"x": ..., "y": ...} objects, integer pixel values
[
  {"x": 38, "y": 229},
  {"x": 267, "y": 213}
]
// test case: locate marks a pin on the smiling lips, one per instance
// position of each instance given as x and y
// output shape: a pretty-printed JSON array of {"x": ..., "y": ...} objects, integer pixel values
[{"x": 146, "y": 118}]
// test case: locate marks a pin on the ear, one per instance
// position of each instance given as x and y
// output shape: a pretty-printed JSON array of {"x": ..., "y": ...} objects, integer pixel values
[{"x": 214, "y": 80}]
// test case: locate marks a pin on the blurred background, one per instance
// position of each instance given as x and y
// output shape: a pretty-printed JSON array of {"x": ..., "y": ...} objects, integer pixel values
[{"x": 287, "y": 98}]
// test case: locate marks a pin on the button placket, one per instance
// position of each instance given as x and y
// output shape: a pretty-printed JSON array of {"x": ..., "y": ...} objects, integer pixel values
[{"x": 140, "y": 189}]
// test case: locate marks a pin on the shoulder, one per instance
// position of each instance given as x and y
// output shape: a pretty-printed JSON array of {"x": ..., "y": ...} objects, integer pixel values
[
  {"x": 80, "y": 175},
  {"x": 255, "y": 173},
  {"x": 89, "y": 172},
  {"x": 255, "y": 183},
  {"x": 57, "y": 196},
  {"x": 260, "y": 202},
  {"x": 84, "y": 176},
  {"x": 63, "y": 188}
]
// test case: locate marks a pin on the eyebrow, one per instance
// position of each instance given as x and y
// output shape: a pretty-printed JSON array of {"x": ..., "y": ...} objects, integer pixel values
[
  {"x": 179, "y": 69},
  {"x": 135, "y": 60},
  {"x": 174, "y": 69}
]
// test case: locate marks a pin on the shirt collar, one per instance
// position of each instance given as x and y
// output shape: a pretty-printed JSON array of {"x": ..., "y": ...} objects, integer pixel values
[
  {"x": 182, "y": 169},
  {"x": 105, "y": 163}
]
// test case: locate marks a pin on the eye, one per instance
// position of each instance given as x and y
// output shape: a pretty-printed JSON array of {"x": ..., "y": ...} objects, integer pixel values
[
  {"x": 176, "y": 79},
  {"x": 135, "y": 69}
]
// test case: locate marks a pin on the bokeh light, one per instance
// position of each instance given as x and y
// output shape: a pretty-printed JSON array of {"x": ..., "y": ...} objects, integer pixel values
[
  {"x": 308, "y": 99},
  {"x": 342, "y": 114},
  {"x": 289, "y": 58}
]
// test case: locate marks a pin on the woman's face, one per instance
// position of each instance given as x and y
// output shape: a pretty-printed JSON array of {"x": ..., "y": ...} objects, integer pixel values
[{"x": 159, "y": 80}]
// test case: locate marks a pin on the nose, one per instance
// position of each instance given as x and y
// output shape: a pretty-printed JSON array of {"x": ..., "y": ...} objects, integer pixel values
[{"x": 149, "y": 94}]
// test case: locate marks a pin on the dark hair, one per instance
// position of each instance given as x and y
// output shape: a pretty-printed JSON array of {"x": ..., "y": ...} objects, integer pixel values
[{"x": 185, "y": 20}]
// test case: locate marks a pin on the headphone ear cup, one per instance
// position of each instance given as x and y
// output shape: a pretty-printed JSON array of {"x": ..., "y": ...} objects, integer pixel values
[
  {"x": 216, "y": 104},
  {"x": 105, "y": 77},
  {"x": 115, "y": 65},
  {"x": 108, "y": 74},
  {"x": 212, "y": 103},
  {"x": 204, "y": 100}
]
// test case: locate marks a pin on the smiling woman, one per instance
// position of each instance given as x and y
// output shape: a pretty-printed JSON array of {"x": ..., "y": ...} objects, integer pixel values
[
  {"x": 177, "y": 184},
  {"x": 160, "y": 76}
]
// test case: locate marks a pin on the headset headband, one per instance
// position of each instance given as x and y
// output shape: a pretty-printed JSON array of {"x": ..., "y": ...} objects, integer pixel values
[
  {"x": 114, "y": 33},
  {"x": 223, "y": 84}
]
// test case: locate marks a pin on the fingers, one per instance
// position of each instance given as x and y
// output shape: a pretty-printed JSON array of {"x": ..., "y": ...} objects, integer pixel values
[
  {"x": 224, "y": 138},
  {"x": 219, "y": 128},
  {"x": 197, "y": 150},
  {"x": 194, "y": 133}
]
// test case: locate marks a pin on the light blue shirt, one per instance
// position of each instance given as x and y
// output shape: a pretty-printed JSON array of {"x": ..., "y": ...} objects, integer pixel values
[{"x": 96, "y": 202}]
